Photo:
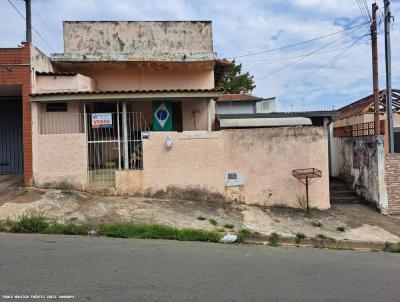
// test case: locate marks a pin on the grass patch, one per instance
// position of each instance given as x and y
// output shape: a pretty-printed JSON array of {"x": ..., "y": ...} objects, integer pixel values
[
  {"x": 201, "y": 218},
  {"x": 156, "y": 231},
  {"x": 273, "y": 239},
  {"x": 213, "y": 222},
  {"x": 243, "y": 234},
  {"x": 229, "y": 226},
  {"x": 299, "y": 238},
  {"x": 317, "y": 224},
  {"x": 66, "y": 229},
  {"x": 29, "y": 224},
  {"x": 221, "y": 230},
  {"x": 340, "y": 229},
  {"x": 392, "y": 248}
]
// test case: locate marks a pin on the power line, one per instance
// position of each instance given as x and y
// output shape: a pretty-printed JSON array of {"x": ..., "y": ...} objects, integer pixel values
[
  {"x": 36, "y": 31},
  {"x": 296, "y": 44},
  {"x": 305, "y": 56},
  {"x": 44, "y": 23}
]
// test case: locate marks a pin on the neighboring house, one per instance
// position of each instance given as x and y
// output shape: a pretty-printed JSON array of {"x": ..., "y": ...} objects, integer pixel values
[
  {"x": 131, "y": 110},
  {"x": 244, "y": 103},
  {"x": 358, "y": 118},
  {"x": 362, "y": 158}
]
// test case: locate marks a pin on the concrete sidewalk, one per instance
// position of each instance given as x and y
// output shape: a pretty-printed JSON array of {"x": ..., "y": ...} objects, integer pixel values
[{"x": 361, "y": 223}]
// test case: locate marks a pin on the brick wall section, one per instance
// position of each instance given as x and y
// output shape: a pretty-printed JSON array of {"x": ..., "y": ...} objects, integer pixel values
[
  {"x": 392, "y": 162},
  {"x": 15, "y": 69}
]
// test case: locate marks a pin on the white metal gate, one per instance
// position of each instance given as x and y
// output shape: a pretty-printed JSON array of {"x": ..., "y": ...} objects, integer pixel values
[{"x": 114, "y": 143}]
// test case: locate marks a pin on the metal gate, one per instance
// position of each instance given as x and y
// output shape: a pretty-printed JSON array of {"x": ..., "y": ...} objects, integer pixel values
[
  {"x": 11, "y": 151},
  {"x": 113, "y": 144}
]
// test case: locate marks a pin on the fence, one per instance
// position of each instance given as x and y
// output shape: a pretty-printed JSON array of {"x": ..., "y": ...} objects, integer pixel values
[
  {"x": 363, "y": 129},
  {"x": 113, "y": 142}
]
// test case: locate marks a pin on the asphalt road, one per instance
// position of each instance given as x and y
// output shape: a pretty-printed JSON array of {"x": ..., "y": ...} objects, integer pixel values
[{"x": 108, "y": 269}]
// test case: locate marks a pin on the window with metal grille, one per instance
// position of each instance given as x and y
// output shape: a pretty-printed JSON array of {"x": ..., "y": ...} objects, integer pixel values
[{"x": 57, "y": 107}]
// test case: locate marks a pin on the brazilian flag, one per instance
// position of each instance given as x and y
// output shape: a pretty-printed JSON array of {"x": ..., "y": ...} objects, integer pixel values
[{"x": 162, "y": 116}]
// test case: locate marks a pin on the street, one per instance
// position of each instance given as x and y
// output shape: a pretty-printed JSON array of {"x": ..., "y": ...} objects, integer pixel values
[{"x": 109, "y": 269}]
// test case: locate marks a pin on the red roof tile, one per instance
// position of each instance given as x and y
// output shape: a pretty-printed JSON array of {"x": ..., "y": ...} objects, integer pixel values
[{"x": 238, "y": 97}]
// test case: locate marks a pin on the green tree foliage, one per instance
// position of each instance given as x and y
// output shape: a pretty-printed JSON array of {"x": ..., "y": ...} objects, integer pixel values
[{"x": 235, "y": 82}]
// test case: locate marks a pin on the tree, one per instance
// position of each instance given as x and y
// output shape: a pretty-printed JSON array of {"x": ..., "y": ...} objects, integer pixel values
[{"x": 234, "y": 81}]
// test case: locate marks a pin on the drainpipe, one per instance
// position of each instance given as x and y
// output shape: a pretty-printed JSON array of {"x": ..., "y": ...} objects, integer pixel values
[{"x": 125, "y": 134}]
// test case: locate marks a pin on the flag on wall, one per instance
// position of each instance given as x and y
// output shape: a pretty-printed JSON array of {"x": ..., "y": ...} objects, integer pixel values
[{"x": 162, "y": 116}]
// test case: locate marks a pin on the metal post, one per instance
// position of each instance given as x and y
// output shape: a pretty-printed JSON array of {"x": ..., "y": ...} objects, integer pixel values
[
  {"x": 125, "y": 134},
  {"x": 375, "y": 70},
  {"x": 388, "y": 61},
  {"x": 209, "y": 115},
  {"x": 307, "y": 194},
  {"x": 119, "y": 138},
  {"x": 28, "y": 20}
]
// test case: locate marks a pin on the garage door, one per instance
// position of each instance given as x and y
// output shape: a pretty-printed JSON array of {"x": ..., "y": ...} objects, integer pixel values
[{"x": 11, "y": 161}]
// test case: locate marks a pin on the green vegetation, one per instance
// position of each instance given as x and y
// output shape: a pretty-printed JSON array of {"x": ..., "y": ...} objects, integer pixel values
[
  {"x": 156, "y": 231},
  {"x": 299, "y": 238},
  {"x": 221, "y": 230},
  {"x": 30, "y": 224},
  {"x": 213, "y": 222},
  {"x": 243, "y": 234},
  {"x": 303, "y": 204},
  {"x": 234, "y": 81},
  {"x": 317, "y": 224},
  {"x": 273, "y": 239},
  {"x": 229, "y": 226},
  {"x": 66, "y": 229},
  {"x": 201, "y": 218},
  {"x": 340, "y": 229},
  {"x": 392, "y": 248}
]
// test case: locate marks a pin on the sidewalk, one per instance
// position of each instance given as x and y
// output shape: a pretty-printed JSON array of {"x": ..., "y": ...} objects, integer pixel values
[{"x": 360, "y": 222}]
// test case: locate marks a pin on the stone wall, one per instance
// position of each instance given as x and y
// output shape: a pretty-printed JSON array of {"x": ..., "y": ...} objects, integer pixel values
[
  {"x": 392, "y": 162},
  {"x": 196, "y": 165},
  {"x": 361, "y": 162}
]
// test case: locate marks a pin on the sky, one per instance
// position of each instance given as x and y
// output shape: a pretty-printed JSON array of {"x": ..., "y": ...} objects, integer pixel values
[{"x": 335, "y": 71}]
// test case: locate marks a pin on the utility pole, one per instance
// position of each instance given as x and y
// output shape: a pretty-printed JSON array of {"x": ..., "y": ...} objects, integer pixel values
[
  {"x": 388, "y": 61},
  {"x": 375, "y": 70},
  {"x": 28, "y": 20}
]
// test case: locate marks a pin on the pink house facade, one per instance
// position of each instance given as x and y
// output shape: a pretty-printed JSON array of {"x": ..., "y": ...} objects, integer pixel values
[{"x": 128, "y": 108}]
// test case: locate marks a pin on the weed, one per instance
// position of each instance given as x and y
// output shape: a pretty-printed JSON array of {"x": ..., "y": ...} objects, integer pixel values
[
  {"x": 243, "y": 234},
  {"x": 156, "y": 231},
  {"x": 220, "y": 230},
  {"x": 201, "y": 218},
  {"x": 22, "y": 191},
  {"x": 392, "y": 248},
  {"x": 273, "y": 239},
  {"x": 327, "y": 238},
  {"x": 213, "y": 222},
  {"x": 30, "y": 224},
  {"x": 340, "y": 229},
  {"x": 229, "y": 226},
  {"x": 317, "y": 224},
  {"x": 299, "y": 238},
  {"x": 56, "y": 228},
  {"x": 66, "y": 192},
  {"x": 303, "y": 204}
]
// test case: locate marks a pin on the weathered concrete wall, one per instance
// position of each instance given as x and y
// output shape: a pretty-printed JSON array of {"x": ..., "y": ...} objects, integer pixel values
[
  {"x": 181, "y": 37},
  {"x": 361, "y": 162},
  {"x": 61, "y": 161},
  {"x": 392, "y": 164},
  {"x": 197, "y": 163}
]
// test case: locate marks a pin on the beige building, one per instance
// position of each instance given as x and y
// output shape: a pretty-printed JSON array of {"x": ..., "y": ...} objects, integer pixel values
[{"x": 131, "y": 111}]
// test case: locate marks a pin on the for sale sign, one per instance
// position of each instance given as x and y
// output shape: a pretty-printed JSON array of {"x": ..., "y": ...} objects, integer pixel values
[{"x": 101, "y": 120}]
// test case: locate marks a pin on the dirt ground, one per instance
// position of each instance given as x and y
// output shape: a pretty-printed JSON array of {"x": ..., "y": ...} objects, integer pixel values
[{"x": 360, "y": 221}]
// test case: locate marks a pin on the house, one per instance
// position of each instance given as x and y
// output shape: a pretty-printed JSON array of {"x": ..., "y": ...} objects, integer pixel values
[
  {"x": 131, "y": 110},
  {"x": 360, "y": 156},
  {"x": 244, "y": 103}
]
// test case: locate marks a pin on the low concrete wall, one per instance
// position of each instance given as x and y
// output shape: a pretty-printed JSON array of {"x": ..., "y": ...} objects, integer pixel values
[
  {"x": 361, "y": 162},
  {"x": 61, "y": 161},
  {"x": 197, "y": 163},
  {"x": 392, "y": 162}
]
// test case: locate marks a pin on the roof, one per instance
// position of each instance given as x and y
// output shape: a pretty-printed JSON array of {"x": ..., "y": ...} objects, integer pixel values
[
  {"x": 126, "y": 94},
  {"x": 60, "y": 73},
  {"x": 308, "y": 114},
  {"x": 264, "y": 122},
  {"x": 239, "y": 97},
  {"x": 366, "y": 105}
]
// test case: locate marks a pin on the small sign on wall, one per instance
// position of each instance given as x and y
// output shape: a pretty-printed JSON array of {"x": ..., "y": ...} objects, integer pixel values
[
  {"x": 234, "y": 179},
  {"x": 101, "y": 120}
]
